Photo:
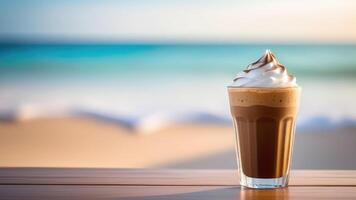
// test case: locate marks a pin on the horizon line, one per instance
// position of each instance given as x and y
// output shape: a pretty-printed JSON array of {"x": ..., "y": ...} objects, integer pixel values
[{"x": 66, "y": 39}]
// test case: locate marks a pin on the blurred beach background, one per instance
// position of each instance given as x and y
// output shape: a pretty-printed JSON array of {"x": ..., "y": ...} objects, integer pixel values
[{"x": 143, "y": 83}]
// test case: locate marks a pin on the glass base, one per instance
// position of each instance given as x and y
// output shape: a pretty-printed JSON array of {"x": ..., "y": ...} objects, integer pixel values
[{"x": 263, "y": 183}]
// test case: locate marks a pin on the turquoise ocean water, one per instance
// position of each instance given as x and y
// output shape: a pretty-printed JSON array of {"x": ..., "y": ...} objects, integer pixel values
[{"x": 155, "y": 84}]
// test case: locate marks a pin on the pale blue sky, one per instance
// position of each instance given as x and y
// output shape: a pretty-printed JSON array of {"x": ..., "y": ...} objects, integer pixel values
[{"x": 159, "y": 20}]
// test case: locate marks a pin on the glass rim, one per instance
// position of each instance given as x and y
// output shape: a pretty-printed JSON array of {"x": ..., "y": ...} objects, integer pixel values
[{"x": 263, "y": 88}]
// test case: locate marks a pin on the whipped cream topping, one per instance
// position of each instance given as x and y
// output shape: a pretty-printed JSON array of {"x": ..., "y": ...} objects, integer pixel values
[{"x": 265, "y": 72}]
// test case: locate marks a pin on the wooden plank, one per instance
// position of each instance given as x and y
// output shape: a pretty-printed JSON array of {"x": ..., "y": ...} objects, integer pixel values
[
  {"x": 102, "y": 176},
  {"x": 323, "y": 177},
  {"x": 116, "y": 176},
  {"x": 170, "y": 192}
]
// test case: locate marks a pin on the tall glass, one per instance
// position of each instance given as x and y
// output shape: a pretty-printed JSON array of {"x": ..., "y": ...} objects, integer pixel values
[{"x": 264, "y": 122}]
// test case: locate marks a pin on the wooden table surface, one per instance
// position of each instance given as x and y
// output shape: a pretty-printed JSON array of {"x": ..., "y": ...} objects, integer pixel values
[{"x": 88, "y": 183}]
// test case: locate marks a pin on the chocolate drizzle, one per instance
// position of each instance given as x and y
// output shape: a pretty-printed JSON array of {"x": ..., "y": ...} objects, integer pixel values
[
  {"x": 266, "y": 59},
  {"x": 267, "y": 71}
]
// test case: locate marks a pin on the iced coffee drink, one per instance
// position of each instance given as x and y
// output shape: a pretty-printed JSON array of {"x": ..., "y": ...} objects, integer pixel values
[{"x": 264, "y": 102}]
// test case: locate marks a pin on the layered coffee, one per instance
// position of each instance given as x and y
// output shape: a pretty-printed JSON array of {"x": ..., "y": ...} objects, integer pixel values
[
  {"x": 264, "y": 102},
  {"x": 264, "y": 122}
]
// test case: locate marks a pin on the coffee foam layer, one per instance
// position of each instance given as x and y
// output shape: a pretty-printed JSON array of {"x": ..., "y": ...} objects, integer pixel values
[{"x": 274, "y": 97}]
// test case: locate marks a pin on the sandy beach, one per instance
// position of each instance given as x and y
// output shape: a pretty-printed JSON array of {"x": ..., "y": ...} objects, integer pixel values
[
  {"x": 81, "y": 142},
  {"x": 87, "y": 142}
]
